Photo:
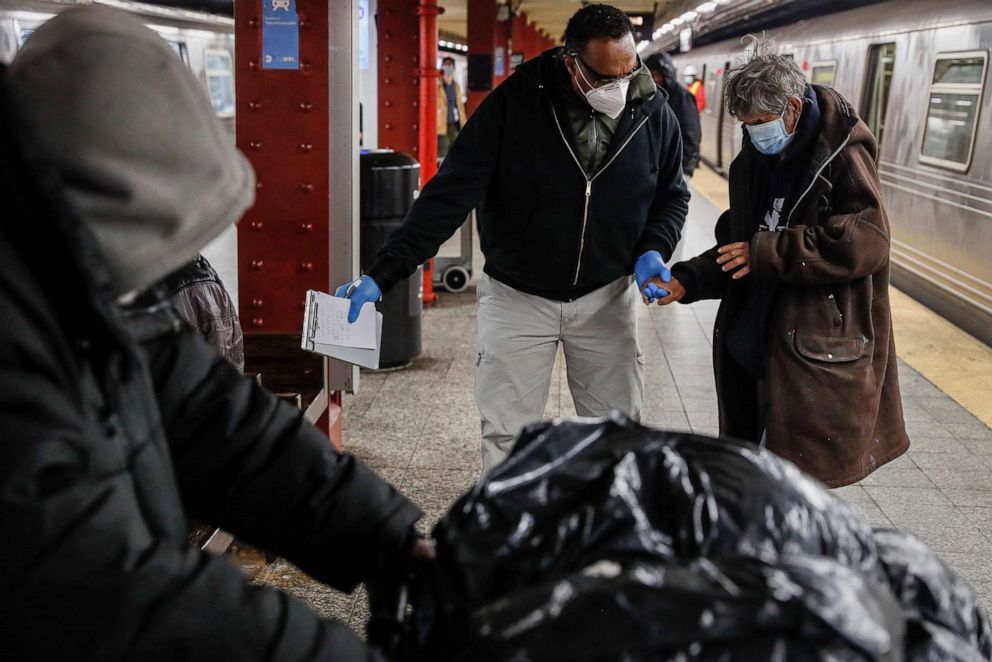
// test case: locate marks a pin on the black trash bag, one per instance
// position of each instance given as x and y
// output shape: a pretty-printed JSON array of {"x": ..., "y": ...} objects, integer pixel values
[
  {"x": 719, "y": 551},
  {"x": 793, "y": 608},
  {"x": 574, "y": 492},
  {"x": 946, "y": 621}
]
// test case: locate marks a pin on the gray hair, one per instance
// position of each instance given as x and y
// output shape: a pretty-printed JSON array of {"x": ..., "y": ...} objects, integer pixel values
[{"x": 764, "y": 82}]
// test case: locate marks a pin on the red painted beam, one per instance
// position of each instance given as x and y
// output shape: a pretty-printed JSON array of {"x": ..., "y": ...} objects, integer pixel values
[
  {"x": 428, "y": 74},
  {"x": 399, "y": 83},
  {"x": 282, "y": 127},
  {"x": 481, "y": 42}
]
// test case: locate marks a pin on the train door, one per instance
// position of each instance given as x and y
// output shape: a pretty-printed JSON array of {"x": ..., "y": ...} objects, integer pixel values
[
  {"x": 727, "y": 126},
  {"x": 881, "y": 59},
  {"x": 720, "y": 115}
]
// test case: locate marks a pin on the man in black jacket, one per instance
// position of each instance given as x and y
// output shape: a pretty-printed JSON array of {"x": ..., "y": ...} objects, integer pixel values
[
  {"x": 575, "y": 166},
  {"x": 683, "y": 104},
  {"x": 119, "y": 421}
]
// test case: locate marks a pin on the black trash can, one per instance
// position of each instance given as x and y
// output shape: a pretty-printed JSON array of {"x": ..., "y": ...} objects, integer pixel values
[{"x": 389, "y": 183}]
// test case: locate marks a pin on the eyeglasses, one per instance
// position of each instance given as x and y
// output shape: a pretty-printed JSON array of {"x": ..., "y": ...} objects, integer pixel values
[{"x": 599, "y": 79}]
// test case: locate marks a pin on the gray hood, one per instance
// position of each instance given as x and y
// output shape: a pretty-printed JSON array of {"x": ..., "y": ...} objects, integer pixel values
[{"x": 131, "y": 132}]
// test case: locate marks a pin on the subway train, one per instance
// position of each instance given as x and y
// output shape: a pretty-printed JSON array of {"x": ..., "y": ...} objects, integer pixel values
[
  {"x": 204, "y": 42},
  {"x": 918, "y": 72}
]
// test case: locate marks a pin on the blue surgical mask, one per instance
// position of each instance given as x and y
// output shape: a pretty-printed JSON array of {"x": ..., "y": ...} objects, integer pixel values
[{"x": 770, "y": 137}]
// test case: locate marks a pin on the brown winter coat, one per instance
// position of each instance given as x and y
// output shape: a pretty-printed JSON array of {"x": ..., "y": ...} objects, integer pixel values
[
  {"x": 830, "y": 369},
  {"x": 442, "y": 107}
]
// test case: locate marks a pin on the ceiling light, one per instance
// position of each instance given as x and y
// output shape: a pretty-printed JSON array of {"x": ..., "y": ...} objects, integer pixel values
[
  {"x": 706, "y": 7},
  {"x": 689, "y": 16},
  {"x": 642, "y": 45}
]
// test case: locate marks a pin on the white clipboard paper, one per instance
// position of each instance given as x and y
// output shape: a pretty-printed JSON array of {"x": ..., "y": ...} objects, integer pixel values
[{"x": 366, "y": 358}]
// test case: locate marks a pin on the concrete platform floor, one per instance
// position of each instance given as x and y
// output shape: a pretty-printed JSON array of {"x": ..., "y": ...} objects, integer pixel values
[{"x": 419, "y": 428}]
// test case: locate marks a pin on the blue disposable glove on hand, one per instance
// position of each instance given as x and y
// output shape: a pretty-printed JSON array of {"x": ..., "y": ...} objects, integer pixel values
[
  {"x": 360, "y": 292},
  {"x": 651, "y": 265}
]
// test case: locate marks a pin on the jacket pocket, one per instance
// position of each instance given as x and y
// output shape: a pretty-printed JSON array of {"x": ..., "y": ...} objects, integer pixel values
[{"x": 830, "y": 349}]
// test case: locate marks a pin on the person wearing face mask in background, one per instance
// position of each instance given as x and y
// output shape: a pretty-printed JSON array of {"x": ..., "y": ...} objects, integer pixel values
[
  {"x": 450, "y": 107},
  {"x": 690, "y": 76},
  {"x": 683, "y": 104},
  {"x": 575, "y": 164},
  {"x": 803, "y": 351}
]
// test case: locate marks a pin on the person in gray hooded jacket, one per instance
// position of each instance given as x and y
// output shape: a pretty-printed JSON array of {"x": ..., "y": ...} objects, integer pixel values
[{"x": 119, "y": 421}]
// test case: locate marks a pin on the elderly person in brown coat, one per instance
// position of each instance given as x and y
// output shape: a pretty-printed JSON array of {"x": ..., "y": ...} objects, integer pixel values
[{"x": 802, "y": 350}]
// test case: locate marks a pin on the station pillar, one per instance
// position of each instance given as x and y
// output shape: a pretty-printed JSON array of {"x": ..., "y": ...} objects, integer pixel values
[
  {"x": 428, "y": 74},
  {"x": 297, "y": 122},
  {"x": 488, "y": 46},
  {"x": 408, "y": 75},
  {"x": 518, "y": 38}
]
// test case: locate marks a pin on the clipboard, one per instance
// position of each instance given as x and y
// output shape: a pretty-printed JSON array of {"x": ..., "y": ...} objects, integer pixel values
[{"x": 366, "y": 358}]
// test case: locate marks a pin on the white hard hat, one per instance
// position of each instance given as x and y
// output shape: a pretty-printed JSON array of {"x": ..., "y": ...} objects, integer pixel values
[{"x": 690, "y": 71}]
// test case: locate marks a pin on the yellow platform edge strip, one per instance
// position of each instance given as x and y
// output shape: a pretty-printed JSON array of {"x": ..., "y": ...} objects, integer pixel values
[{"x": 953, "y": 360}]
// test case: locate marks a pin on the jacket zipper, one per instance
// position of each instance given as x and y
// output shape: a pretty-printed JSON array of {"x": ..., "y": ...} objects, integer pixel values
[
  {"x": 589, "y": 181},
  {"x": 816, "y": 176}
]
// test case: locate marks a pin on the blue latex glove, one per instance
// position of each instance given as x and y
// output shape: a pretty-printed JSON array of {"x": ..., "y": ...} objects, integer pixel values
[
  {"x": 360, "y": 292},
  {"x": 649, "y": 265}
]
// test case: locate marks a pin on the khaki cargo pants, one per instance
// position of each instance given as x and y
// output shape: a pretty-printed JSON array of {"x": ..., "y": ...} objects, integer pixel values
[{"x": 518, "y": 337}]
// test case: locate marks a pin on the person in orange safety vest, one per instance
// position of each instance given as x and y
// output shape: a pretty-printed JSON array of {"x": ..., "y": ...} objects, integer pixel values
[{"x": 690, "y": 75}]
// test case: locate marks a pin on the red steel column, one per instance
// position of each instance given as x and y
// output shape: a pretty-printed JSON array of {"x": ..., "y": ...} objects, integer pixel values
[
  {"x": 481, "y": 42},
  {"x": 408, "y": 89},
  {"x": 282, "y": 127},
  {"x": 549, "y": 40},
  {"x": 399, "y": 57},
  {"x": 534, "y": 43},
  {"x": 518, "y": 35},
  {"x": 502, "y": 45},
  {"x": 428, "y": 73}
]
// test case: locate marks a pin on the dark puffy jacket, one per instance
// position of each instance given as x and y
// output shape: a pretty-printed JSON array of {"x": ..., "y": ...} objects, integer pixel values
[
  {"x": 546, "y": 226},
  {"x": 114, "y": 428},
  {"x": 203, "y": 303}
]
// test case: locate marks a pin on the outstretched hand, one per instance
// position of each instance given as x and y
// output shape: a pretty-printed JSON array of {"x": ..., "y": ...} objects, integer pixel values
[
  {"x": 360, "y": 292},
  {"x": 651, "y": 274},
  {"x": 675, "y": 292}
]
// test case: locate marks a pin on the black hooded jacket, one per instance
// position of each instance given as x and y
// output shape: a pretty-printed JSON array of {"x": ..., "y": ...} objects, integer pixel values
[
  {"x": 683, "y": 104},
  {"x": 116, "y": 425},
  {"x": 546, "y": 226}
]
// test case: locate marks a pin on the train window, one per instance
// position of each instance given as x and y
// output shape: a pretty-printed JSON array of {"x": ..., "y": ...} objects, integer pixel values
[
  {"x": 952, "y": 110},
  {"x": 959, "y": 70},
  {"x": 881, "y": 60},
  {"x": 24, "y": 34},
  {"x": 220, "y": 82},
  {"x": 823, "y": 73}
]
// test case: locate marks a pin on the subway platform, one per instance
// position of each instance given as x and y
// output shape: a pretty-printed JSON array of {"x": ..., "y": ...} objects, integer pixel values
[{"x": 419, "y": 427}]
